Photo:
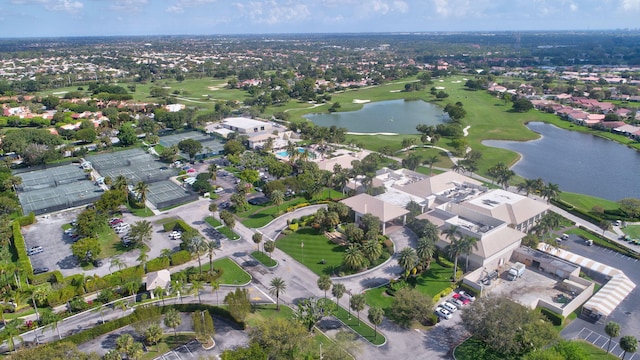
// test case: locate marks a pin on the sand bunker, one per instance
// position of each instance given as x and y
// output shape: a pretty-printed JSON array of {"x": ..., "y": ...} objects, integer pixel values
[
  {"x": 215, "y": 87},
  {"x": 439, "y": 87},
  {"x": 394, "y": 91},
  {"x": 358, "y": 101}
]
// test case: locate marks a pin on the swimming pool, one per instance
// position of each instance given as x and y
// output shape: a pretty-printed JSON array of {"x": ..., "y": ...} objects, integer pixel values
[{"x": 284, "y": 153}]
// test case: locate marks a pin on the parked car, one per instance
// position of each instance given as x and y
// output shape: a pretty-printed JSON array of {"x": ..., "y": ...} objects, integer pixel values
[
  {"x": 464, "y": 300},
  {"x": 176, "y": 235},
  {"x": 443, "y": 313},
  {"x": 449, "y": 306},
  {"x": 97, "y": 263},
  {"x": 259, "y": 200},
  {"x": 40, "y": 270},
  {"x": 35, "y": 250},
  {"x": 225, "y": 205},
  {"x": 466, "y": 295},
  {"x": 457, "y": 302},
  {"x": 115, "y": 221},
  {"x": 218, "y": 190}
]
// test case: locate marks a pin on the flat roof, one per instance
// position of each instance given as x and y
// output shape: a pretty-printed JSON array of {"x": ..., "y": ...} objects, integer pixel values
[{"x": 244, "y": 122}]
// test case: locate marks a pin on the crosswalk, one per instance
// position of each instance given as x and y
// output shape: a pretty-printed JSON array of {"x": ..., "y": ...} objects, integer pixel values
[{"x": 602, "y": 340}]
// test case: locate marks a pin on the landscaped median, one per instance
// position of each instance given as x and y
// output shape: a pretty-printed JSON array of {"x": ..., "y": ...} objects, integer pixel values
[
  {"x": 221, "y": 228},
  {"x": 356, "y": 324},
  {"x": 264, "y": 259}
]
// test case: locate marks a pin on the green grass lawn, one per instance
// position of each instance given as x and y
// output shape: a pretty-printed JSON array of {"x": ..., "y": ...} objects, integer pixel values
[
  {"x": 232, "y": 274},
  {"x": 110, "y": 243},
  {"x": 264, "y": 259},
  {"x": 212, "y": 221},
  {"x": 316, "y": 248},
  {"x": 586, "y": 202},
  {"x": 140, "y": 212},
  {"x": 364, "y": 330},
  {"x": 228, "y": 233},
  {"x": 430, "y": 283},
  {"x": 267, "y": 312},
  {"x": 633, "y": 231}
]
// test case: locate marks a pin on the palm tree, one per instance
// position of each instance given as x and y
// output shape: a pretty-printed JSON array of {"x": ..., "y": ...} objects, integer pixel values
[
  {"x": 407, "y": 259},
  {"x": 457, "y": 167},
  {"x": 141, "y": 232},
  {"x": 528, "y": 186},
  {"x": 141, "y": 189},
  {"x": 628, "y": 344},
  {"x": 277, "y": 197},
  {"x": 153, "y": 334},
  {"x": 124, "y": 343},
  {"x": 338, "y": 291},
  {"x": 277, "y": 287},
  {"x": 372, "y": 249},
  {"x": 269, "y": 246},
  {"x": 212, "y": 170},
  {"x": 197, "y": 246},
  {"x": 453, "y": 249},
  {"x": 196, "y": 287},
  {"x": 121, "y": 184},
  {"x": 431, "y": 160},
  {"x": 159, "y": 292},
  {"x": 468, "y": 243},
  {"x": 142, "y": 259},
  {"x": 613, "y": 330},
  {"x": 257, "y": 238},
  {"x": 11, "y": 332},
  {"x": 356, "y": 303},
  {"x": 13, "y": 182},
  {"x": 172, "y": 319},
  {"x": 116, "y": 262},
  {"x": 211, "y": 250},
  {"x": 375, "y": 317},
  {"x": 215, "y": 286},
  {"x": 166, "y": 253},
  {"x": 353, "y": 257},
  {"x": 550, "y": 192},
  {"x": 324, "y": 283},
  {"x": 292, "y": 151},
  {"x": 425, "y": 249}
]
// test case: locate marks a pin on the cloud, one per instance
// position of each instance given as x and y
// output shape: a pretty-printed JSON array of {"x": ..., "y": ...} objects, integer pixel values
[
  {"x": 69, "y": 6},
  {"x": 272, "y": 12},
  {"x": 631, "y": 5},
  {"x": 129, "y": 5},
  {"x": 180, "y": 5}
]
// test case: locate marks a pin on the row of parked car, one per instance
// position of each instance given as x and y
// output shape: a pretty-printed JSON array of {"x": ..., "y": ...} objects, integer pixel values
[
  {"x": 121, "y": 228},
  {"x": 447, "y": 308}
]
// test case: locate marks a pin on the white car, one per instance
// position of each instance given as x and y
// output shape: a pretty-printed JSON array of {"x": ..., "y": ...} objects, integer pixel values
[
  {"x": 459, "y": 304},
  {"x": 449, "y": 306},
  {"x": 176, "y": 235},
  {"x": 218, "y": 190},
  {"x": 443, "y": 313},
  {"x": 467, "y": 296}
]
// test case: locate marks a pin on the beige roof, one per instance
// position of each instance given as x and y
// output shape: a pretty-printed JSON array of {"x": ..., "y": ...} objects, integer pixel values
[
  {"x": 495, "y": 241},
  {"x": 506, "y": 206},
  {"x": 161, "y": 278},
  {"x": 437, "y": 184},
  {"x": 367, "y": 204},
  {"x": 344, "y": 161}
]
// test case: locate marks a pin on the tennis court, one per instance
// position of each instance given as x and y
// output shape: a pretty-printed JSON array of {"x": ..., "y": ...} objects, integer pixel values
[
  {"x": 210, "y": 145},
  {"x": 135, "y": 165},
  {"x": 164, "y": 194},
  {"x": 50, "y": 199},
  {"x": 50, "y": 177}
]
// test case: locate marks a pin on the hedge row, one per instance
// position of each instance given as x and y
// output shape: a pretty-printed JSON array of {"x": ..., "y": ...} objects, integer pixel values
[
  {"x": 157, "y": 264},
  {"x": 27, "y": 219},
  {"x": 53, "y": 277},
  {"x": 177, "y": 225},
  {"x": 180, "y": 257},
  {"x": 21, "y": 249},
  {"x": 556, "y": 319},
  {"x": 443, "y": 293},
  {"x": 88, "y": 335}
]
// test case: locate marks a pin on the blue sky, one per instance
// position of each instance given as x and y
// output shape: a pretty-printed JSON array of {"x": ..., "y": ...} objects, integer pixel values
[{"x": 34, "y": 18}]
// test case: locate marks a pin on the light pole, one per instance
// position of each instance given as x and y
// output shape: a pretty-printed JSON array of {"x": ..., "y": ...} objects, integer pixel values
[
  {"x": 321, "y": 351},
  {"x": 302, "y": 249}
]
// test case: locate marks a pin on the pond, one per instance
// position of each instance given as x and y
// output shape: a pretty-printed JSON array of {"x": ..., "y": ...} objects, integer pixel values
[
  {"x": 393, "y": 117},
  {"x": 578, "y": 162}
]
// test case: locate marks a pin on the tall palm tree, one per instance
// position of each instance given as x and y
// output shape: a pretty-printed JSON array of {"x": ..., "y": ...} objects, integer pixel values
[
  {"x": 197, "y": 246},
  {"x": 628, "y": 344},
  {"x": 528, "y": 186},
  {"x": 457, "y": 167},
  {"x": 324, "y": 283},
  {"x": 196, "y": 288},
  {"x": 277, "y": 197},
  {"x": 431, "y": 160},
  {"x": 121, "y": 184},
  {"x": 277, "y": 286},
  {"x": 453, "y": 250},
  {"x": 215, "y": 286},
  {"x": 357, "y": 303},
  {"x": 425, "y": 249},
  {"x": 211, "y": 250},
  {"x": 116, "y": 262},
  {"x": 407, "y": 259},
  {"x": 338, "y": 291},
  {"x": 142, "y": 189},
  {"x": 142, "y": 259},
  {"x": 212, "y": 170},
  {"x": 159, "y": 292},
  {"x": 613, "y": 330},
  {"x": 372, "y": 249},
  {"x": 292, "y": 151},
  {"x": 12, "y": 332},
  {"x": 166, "y": 253},
  {"x": 375, "y": 317},
  {"x": 172, "y": 319},
  {"x": 469, "y": 243}
]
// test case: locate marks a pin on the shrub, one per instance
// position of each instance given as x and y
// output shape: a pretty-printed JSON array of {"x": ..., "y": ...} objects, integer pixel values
[
  {"x": 468, "y": 289},
  {"x": 180, "y": 257},
  {"x": 27, "y": 219},
  {"x": 21, "y": 249},
  {"x": 124, "y": 276},
  {"x": 293, "y": 226},
  {"x": 177, "y": 225},
  {"x": 442, "y": 294},
  {"x": 157, "y": 264},
  {"x": 444, "y": 262},
  {"x": 555, "y": 319}
]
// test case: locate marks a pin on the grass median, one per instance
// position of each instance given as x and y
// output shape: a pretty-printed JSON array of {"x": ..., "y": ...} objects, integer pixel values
[
  {"x": 264, "y": 259},
  {"x": 360, "y": 327}
]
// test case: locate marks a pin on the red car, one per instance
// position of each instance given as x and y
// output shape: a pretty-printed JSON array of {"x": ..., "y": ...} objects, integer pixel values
[
  {"x": 464, "y": 300},
  {"x": 115, "y": 221}
]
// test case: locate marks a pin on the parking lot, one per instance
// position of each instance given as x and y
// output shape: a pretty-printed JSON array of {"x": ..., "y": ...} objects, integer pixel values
[
  {"x": 602, "y": 340},
  {"x": 186, "y": 351},
  {"x": 48, "y": 233},
  {"x": 527, "y": 289}
]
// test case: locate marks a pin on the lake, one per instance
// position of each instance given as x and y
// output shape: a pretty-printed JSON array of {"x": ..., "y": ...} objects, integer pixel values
[
  {"x": 578, "y": 162},
  {"x": 393, "y": 116}
]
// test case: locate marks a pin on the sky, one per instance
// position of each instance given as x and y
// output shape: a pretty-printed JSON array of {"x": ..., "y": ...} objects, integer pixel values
[{"x": 54, "y": 18}]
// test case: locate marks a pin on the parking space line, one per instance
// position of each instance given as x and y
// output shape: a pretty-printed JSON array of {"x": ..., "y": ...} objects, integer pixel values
[{"x": 583, "y": 329}]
